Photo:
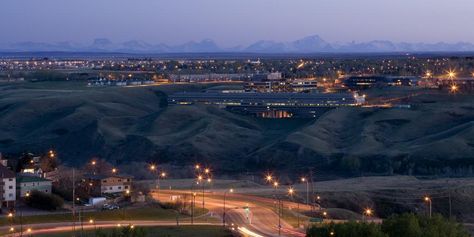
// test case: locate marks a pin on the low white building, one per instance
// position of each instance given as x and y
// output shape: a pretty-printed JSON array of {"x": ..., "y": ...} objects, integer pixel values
[
  {"x": 7, "y": 187},
  {"x": 26, "y": 184}
]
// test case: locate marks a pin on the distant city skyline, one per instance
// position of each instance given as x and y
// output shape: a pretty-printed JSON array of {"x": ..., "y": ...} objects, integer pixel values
[{"x": 233, "y": 23}]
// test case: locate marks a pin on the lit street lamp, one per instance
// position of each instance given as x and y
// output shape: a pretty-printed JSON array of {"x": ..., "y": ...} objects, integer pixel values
[
  {"x": 305, "y": 180},
  {"x": 223, "y": 215},
  {"x": 428, "y": 200},
  {"x": 291, "y": 192},
  {"x": 367, "y": 212}
]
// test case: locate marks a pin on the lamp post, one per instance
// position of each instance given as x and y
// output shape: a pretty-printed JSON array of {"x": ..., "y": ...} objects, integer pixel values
[
  {"x": 200, "y": 180},
  {"x": 153, "y": 170},
  {"x": 367, "y": 213},
  {"x": 275, "y": 186},
  {"x": 192, "y": 207},
  {"x": 223, "y": 215},
  {"x": 92, "y": 222},
  {"x": 10, "y": 219},
  {"x": 279, "y": 216},
  {"x": 305, "y": 180},
  {"x": 291, "y": 192},
  {"x": 428, "y": 200}
]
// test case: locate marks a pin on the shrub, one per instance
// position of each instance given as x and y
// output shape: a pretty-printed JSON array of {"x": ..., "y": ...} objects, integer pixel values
[{"x": 44, "y": 201}]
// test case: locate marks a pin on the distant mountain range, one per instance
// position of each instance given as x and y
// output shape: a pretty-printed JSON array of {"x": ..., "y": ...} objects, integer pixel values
[{"x": 310, "y": 44}]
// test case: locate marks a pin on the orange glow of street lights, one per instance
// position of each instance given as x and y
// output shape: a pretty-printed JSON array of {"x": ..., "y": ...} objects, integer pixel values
[
  {"x": 303, "y": 179},
  {"x": 451, "y": 74},
  {"x": 93, "y": 162},
  {"x": 207, "y": 170},
  {"x": 275, "y": 184},
  {"x": 209, "y": 180},
  {"x": 199, "y": 177},
  {"x": 427, "y": 199},
  {"x": 114, "y": 170},
  {"x": 163, "y": 174},
  {"x": 91, "y": 221},
  {"x": 368, "y": 212},
  {"x": 197, "y": 167},
  {"x": 152, "y": 167},
  {"x": 454, "y": 88},
  {"x": 291, "y": 191},
  {"x": 268, "y": 178}
]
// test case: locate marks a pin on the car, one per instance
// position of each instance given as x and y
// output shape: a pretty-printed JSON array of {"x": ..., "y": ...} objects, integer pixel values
[{"x": 110, "y": 207}]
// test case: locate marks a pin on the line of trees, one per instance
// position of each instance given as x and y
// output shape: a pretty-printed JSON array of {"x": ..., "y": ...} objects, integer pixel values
[{"x": 404, "y": 225}]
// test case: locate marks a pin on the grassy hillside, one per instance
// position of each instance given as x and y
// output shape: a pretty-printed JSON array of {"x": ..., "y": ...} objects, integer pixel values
[{"x": 435, "y": 136}]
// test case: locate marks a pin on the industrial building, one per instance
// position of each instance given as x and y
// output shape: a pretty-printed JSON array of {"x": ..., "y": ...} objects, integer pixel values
[
  {"x": 271, "y": 105},
  {"x": 366, "y": 82}
]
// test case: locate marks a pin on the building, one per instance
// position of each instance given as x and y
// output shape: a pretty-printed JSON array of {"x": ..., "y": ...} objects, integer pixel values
[
  {"x": 7, "y": 187},
  {"x": 366, "y": 82},
  {"x": 26, "y": 184},
  {"x": 272, "y": 105},
  {"x": 108, "y": 184},
  {"x": 274, "y": 76},
  {"x": 363, "y": 82},
  {"x": 267, "y": 86}
]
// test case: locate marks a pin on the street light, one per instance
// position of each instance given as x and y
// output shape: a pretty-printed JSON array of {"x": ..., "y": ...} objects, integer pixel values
[
  {"x": 268, "y": 178},
  {"x": 454, "y": 88},
  {"x": 451, "y": 74},
  {"x": 223, "y": 215},
  {"x": 291, "y": 192},
  {"x": 305, "y": 180},
  {"x": 428, "y": 200},
  {"x": 114, "y": 170},
  {"x": 367, "y": 213}
]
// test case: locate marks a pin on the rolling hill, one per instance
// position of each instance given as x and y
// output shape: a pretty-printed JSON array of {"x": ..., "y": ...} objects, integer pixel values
[{"x": 121, "y": 125}]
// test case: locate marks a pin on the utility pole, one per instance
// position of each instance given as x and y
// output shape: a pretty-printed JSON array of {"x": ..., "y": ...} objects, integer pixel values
[
  {"x": 450, "y": 205},
  {"x": 312, "y": 186},
  {"x": 279, "y": 216},
  {"x": 73, "y": 202}
]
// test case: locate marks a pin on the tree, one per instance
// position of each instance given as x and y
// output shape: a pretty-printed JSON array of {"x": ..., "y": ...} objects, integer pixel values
[
  {"x": 44, "y": 201},
  {"x": 412, "y": 225},
  {"x": 349, "y": 229},
  {"x": 406, "y": 225}
]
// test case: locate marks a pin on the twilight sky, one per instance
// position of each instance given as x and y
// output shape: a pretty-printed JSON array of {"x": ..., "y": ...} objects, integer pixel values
[{"x": 235, "y": 22}]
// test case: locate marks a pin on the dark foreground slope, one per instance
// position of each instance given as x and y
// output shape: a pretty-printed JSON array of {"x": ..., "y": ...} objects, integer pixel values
[{"x": 436, "y": 136}]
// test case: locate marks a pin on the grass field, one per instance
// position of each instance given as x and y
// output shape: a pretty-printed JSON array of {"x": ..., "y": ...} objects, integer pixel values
[
  {"x": 115, "y": 215},
  {"x": 184, "y": 231}
]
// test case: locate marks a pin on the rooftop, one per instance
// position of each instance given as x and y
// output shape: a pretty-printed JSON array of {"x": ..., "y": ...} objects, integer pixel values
[
  {"x": 30, "y": 179},
  {"x": 6, "y": 173}
]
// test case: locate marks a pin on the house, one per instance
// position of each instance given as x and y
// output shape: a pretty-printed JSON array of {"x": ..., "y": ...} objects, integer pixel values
[
  {"x": 26, "y": 184},
  {"x": 7, "y": 187},
  {"x": 108, "y": 184}
]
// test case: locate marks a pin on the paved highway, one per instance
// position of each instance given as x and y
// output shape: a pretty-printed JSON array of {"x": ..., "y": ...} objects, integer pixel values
[{"x": 258, "y": 220}]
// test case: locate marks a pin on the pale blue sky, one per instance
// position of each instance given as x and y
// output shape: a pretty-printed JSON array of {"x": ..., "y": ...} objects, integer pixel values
[{"x": 236, "y": 22}]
